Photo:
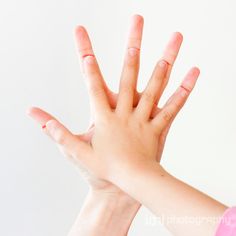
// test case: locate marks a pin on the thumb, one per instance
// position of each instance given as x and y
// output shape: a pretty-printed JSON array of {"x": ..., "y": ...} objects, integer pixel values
[{"x": 70, "y": 142}]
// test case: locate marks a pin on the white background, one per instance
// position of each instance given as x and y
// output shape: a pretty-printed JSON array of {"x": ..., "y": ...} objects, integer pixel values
[{"x": 40, "y": 192}]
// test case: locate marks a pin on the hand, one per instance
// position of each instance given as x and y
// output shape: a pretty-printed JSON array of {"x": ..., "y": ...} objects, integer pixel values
[
  {"x": 129, "y": 133},
  {"x": 127, "y": 140},
  {"x": 130, "y": 69},
  {"x": 73, "y": 145}
]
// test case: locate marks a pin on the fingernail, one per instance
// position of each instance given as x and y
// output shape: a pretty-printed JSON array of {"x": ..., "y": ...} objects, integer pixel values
[
  {"x": 43, "y": 126},
  {"x": 89, "y": 59},
  {"x": 133, "y": 51},
  {"x": 184, "y": 93},
  {"x": 162, "y": 64},
  {"x": 195, "y": 71}
]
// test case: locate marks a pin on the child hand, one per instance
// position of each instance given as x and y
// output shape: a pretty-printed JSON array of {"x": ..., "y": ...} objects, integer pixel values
[
  {"x": 126, "y": 135},
  {"x": 83, "y": 42}
]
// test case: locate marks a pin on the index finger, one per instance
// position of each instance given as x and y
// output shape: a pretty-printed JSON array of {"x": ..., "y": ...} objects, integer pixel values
[{"x": 94, "y": 79}]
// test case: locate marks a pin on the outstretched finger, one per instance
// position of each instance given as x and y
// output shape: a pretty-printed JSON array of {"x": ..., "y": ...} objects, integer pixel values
[
  {"x": 39, "y": 115},
  {"x": 170, "y": 54},
  {"x": 129, "y": 75},
  {"x": 93, "y": 77},
  {"x": 176, "y": 102},
  {"x": 151, "y": 94},
  {"x": 71, "y": 143}
]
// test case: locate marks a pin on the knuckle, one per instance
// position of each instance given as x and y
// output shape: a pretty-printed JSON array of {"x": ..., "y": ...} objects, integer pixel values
[
  {"x": 126, "y": 88},
  {"x": 149, "y": 97},
  {"x": 96, "y": 90},
  {"x": 132, "y": 56},
  {"x": 176, "y": 105},
  {"x": 167, "y": 115}
]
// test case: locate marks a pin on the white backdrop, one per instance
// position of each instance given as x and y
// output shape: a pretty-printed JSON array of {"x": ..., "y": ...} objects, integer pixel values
[{"x": 40, "y": 192}]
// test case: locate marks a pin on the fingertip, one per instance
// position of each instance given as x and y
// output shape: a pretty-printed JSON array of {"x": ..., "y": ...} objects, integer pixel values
[
  {"x": 172, "y": 48},
  {"x": 191, "y": 78},
  {"x": 29, "y": 111},
  {"x": 32, "y": 110},
  {"x": 79, "y": 29},
  {"x": 194, "y": 74},
  {"x": 196, "y": 71},
  {"x": 81, "y": 36},
  {"x": 138, "y": 18},
  {"x": 178, "y": 35},
  {"x": 39, "y": 115}
]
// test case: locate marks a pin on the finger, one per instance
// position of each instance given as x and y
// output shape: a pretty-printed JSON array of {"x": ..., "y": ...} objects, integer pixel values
[
  {"x": 163, "y": 135},
  {"x": 83, "y": 44},
  {"x": 151, "y": 94},
  {"x": 130, "y": 69},
  {"x": 94, "y": 80},
  {"x": 162, "y": 140},
  {"x": 84, "y": 48},
  {"x": 71, "y": 144},
  {"x": 170, "y": 54},
  {"x": 39, "y": 115},
  {"x": 165, "y": 132},
  {"x": 113, "y": 98},
  {"x": 176, "y": 102}
]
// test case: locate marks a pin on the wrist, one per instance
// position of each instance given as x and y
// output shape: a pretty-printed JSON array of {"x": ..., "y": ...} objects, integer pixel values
[
  {"x": 113, "y": 198},
  {"x": 117, "y": 210},
  {"x": 125, "y": 173},
  {"x": 132, "y": 179},
  {"x": 105, "y": 213}
]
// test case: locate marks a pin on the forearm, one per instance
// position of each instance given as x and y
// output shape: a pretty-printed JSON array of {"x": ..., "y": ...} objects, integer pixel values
[
  {"x": 184, "y": 210},
  {"x": 107, "y": 214}
]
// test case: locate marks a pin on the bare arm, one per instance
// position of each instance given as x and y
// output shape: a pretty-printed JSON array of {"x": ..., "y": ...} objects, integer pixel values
[
  {"x": 107, "y": 214},
  {"x": 183, "y": 209}
]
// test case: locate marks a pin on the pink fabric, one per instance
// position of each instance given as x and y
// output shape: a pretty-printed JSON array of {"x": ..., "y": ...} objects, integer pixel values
[{"x": 227, "y": 226}]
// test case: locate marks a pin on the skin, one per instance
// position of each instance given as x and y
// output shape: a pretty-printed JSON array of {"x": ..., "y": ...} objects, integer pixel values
[
  {"x": 130, "y": 70},
  {"x": 105, "y": 214},
  {"x": 128, "y": 165},
  {"x": 100, "y": 187}
]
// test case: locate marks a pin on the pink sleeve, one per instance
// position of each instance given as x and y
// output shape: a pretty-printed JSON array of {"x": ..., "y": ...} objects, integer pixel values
[{"x": 227, "y": 225}]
